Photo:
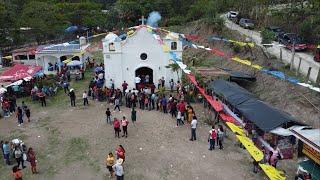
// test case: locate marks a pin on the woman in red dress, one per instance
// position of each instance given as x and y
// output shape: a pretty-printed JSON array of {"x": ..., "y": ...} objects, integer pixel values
[{"x": 32, "y": 159}]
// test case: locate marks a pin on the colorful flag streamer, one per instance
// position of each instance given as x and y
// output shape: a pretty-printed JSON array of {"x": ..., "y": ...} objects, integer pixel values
[{"x": 272, "y": 172}]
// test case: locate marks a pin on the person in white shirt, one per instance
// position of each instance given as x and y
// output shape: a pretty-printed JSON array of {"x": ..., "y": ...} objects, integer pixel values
[
  {"x": 118, "y": 169},
  {"x": 100, "y": 76},
  {"x": 137, "y": 81},
  {"x": 117, "y": 104},
  {"x": 193, "y": 128},
  {"x": 85, "y": 98},
  {"x": 171, "y": 85}
]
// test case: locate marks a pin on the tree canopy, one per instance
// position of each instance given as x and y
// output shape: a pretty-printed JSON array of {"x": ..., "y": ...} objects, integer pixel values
[{"x": 49, "y": 18}]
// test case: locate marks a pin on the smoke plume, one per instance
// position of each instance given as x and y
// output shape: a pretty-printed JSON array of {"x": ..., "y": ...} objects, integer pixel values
[{"x": 153, "y": 19}]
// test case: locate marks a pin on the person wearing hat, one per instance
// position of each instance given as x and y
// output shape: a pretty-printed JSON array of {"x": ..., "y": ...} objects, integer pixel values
[
  {"x": 72, "y": 96},
  {"x": 118, "y": 169}
]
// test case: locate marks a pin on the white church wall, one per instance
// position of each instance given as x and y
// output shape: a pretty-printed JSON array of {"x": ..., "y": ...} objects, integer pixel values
[
  {"x": 113, "y": 68},
  {"x": 157, "y": 59},
  {"x": 125, "y": 60},
  {"x": 178, "y": 43}
]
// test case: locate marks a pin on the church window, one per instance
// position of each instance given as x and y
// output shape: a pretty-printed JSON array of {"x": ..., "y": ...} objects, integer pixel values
[
  {"x": 143, "y": 56},
  {"x": 173, "y": 45},
  {"x": 111, "y": 47}
]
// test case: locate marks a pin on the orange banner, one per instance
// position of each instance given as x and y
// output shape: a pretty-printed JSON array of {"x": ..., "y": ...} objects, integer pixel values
[{"x": 311, "y": 153}]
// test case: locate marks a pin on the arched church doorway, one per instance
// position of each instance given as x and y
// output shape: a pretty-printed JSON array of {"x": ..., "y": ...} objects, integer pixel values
[
  {"x": 62, "y": 58},
  {"x": 146, "y": 75}
]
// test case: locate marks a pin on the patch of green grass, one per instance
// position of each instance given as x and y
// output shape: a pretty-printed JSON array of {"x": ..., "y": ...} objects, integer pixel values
[
  {"x": 93, "y": 164},
  {"x": 53, "y": 139},
  {"x": 16, "y": 134},
  {"x": 77, "y": 150},
  {"x": 135, "y": 177}
]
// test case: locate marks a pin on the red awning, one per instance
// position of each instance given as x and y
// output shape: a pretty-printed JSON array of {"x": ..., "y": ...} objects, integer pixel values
[
  {"x": 215, "y": 104},
  {"x": 227, "y": 118},
  {"x": 19, "y": 71}
]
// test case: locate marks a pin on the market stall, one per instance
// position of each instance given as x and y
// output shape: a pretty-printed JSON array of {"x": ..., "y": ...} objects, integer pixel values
[
  {"x": 19, "y": 71},
  {"x": 259, "y": 118}
]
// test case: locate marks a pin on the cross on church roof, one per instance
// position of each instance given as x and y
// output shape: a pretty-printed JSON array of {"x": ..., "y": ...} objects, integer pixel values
[{"x": 142, "y": 19}]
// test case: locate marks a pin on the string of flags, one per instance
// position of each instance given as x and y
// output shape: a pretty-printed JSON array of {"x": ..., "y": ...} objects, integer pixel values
[
  {"x": 239, "y": 43},
  {"x": 217, "y": 52}
]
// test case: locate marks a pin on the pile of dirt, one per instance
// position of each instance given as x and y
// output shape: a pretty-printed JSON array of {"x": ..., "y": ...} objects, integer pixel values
[{"x": 300, "y": 102}]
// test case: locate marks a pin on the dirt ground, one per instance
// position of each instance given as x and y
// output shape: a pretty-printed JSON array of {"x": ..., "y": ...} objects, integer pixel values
[
  {"x": 71, "y": 143},
  {"x": 156, "y": 149}
]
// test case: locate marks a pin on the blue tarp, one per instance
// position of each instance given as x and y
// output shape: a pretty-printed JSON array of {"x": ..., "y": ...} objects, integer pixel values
[
  {"x": 281, "y": 75},
  {"x": 217, "y": 38},
  {"x": 38, "y": 74},
  {"x": 71, "y": 29}
]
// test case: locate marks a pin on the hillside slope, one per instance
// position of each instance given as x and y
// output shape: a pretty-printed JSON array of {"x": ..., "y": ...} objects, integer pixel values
[{"x": 300, "y": 102}]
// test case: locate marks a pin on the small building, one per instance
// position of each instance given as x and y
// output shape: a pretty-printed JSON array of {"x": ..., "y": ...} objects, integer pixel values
[
  {"x": 25, "y": 55},
  {"x": 141, "y": 55},
  {"x": 51, "y": 57}
]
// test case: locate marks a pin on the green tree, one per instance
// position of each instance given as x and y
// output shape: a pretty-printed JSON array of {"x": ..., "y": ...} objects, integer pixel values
[
  {"x": 37, "y": 15},
  {"x": 174, "y": 68}
]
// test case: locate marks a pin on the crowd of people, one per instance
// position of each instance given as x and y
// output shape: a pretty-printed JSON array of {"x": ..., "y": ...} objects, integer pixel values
[
  {"x": 18, "y": 151},
  {"x": 114, "y": 165},
  {"x": 10, "y": 107}
]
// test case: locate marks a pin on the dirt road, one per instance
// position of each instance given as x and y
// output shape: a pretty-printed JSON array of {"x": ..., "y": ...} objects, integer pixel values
[{"x": 307, "y": 62}]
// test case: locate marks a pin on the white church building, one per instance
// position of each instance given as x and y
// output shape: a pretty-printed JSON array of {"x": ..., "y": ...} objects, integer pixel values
[{"x": 138, "y": 55}]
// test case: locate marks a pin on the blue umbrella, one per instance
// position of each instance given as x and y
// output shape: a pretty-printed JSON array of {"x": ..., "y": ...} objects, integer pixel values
[{"x": 71, "y": 29}]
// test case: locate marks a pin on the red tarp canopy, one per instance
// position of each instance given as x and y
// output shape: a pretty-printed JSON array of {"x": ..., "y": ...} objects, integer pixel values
[
  {"x": 214, "y": 103},
  {"x": 19, "y": 71}
]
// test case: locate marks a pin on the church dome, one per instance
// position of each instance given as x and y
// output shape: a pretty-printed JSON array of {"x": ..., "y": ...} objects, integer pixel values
[{"x": 111, "y": 37}]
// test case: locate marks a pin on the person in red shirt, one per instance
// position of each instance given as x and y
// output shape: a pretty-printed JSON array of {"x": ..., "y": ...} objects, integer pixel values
[
  {"x": 152, "y": 87},
  {"x": 116, "y": 126},
  {"x": 5, "y": 107},
  {"x": 182, "y": 108},
  {"x": 120, "y": 152},
  {"x": 33, "y": 161},
  {"x": 124, "y": 87},
  {"x": 16, "y": 172}
]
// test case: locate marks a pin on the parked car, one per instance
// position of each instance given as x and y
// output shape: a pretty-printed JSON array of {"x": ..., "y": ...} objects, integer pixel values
[
  {"x": 288, "y": 39},
  {"x": 237, "y": 19},
  {"x": 246, "y": 23},
  {"x": 232, "y": 15},
  {"x": 317, "y": 54},
  {"x": 276, "y": 30}
]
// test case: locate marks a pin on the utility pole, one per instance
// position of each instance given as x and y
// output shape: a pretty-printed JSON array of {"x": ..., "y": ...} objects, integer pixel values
[
  {"x": 292, "y": 58},
  {"x": 1, "y": 58}
]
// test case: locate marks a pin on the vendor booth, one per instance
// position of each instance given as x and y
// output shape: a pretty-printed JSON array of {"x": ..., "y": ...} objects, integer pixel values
[
  {"x": 308, "y": 147},
  {"x": 20, "y": 71},
  {"x": 259, "y": 118}
]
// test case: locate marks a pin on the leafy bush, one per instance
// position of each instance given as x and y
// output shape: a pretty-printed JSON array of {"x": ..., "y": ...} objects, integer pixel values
[
  {"x": 236, "y": 48},
  {"x": 267, "y": 36},
  {"x": 216, "y": 22},
  {"x": 176, "y": 20}
]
